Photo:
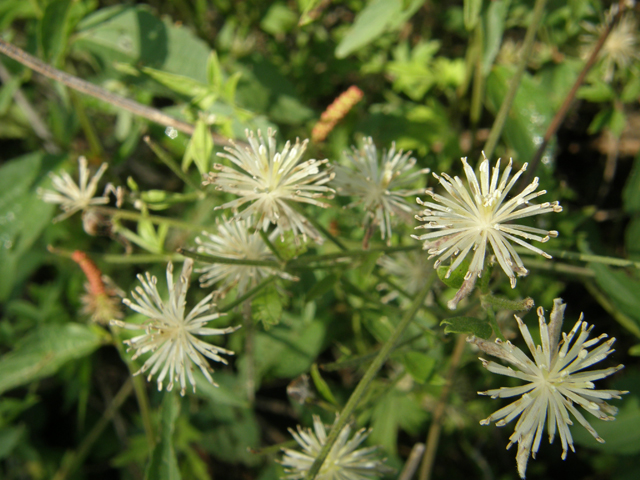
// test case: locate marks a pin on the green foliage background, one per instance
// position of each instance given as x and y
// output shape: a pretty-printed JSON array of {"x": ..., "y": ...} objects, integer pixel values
[{"x": 434, "y": 75}]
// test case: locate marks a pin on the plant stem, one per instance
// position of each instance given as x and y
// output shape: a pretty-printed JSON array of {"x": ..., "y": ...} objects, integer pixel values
[
  {"x": 433, "y": 437},
  {"x": 585, "y": 257},
  {"x": 249, "y": 353},
  {"x": 349, "y": 254},
  {"x": 100, "y": 93},
  {"x": 170, "y": 162},
  {"x": 491, "y": 315},
  {"x": 228, "y": 261},
  {"x": 155, "y": 219},
  {"x": 249, "y": 294},
  {"x": 527, "y": 47},
  {"x": 363, "y": 385},
  {"x": 72, "y": 460},
  {"x": 139, "y": 258},
  {"x": 558, "y": 118},
  {"x": 270, "y": 245}
]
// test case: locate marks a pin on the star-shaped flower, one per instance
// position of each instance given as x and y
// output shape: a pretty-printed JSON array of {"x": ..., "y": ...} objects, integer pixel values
[
  {"x": 74, "y": 197},
  {"x": 556, "y": 382},
  {"x": 380, "y": 185},
  {"x": 473, "y": 217},
  {"x": 344, "y": 462},
  {"x": 171, "y": 336},
  {"x": 269, "y": 180}
]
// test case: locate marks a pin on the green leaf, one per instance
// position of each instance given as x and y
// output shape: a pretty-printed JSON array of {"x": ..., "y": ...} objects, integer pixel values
[
  {"x": 306, "y": 17},
  {"x": 266, "y": 306},
  {"x": 631, "y": 192},
  {"x": 42, "y": 353},
  {"x": 621, "y": 288},
  {"x": 321, "y": 385},
  {"x": 323, "y": 286},
  {"x": 279, "y": 19},
  {"x": 471, "y": 13},
  {"x": 456, "y": 278},
  {"x": 199, "y": 148},
  {"x": 596, "y": 92},
  {"x": 163, "y": 464},
  {"x": 369, "y": 24},
  {"x": 419, "y": 365},
  {"x": 177, "y": 83},
  {"x": 9, "y": 439},
  {"x": 602, "y": 119},
  {"x": 494, "y": 21},
  {"x": 53, "y": 29},
  {"x": 468, "y": 325},
  {"x": 631, "y": 91}
]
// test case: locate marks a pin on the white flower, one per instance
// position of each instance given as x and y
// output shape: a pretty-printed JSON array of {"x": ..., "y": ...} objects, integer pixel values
[
  {"x": 236, "y": 240},
  {"x": 555, "y": 382},
  {"x": 71, "y": 197},
  {"x": 620, "y": 49},
  {"x": 170, "y": 335},
  {"x": 379, "y": 185},
  {"x": 269, "y": 180},
  {"x": 470, "y": 218},
  {"x": 344, "y": 462}
]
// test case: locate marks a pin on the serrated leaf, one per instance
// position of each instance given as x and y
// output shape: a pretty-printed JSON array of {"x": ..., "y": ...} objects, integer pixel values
[
  {"x": 419, "y": 365},
  {"x": 456, "y": 278},
  {"x": 163, "y": 464},
  {"x": 468, "y": 326},
  {"x": 199, "y": 148},
  {"x": 321, "y": 385},
  {"x": 42, "y": 353},
  {"x": 322, "y": 287},
  {"x": 266, "y": 306}
]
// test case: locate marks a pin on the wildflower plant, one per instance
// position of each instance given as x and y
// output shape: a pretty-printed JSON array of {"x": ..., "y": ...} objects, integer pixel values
[{"x": 337, "y": 327}]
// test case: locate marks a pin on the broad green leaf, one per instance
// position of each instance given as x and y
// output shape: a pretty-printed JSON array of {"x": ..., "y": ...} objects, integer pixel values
[
  {"x": 631, "y": 192},
  {"x": 369, "y": 24},
  {"x": 321, "y": 385},
  {"x": 266, "y": 306},
  {"x": 632, "y": 238},
  {"x": 467, "y": 325},
  {"x": 322, "y": 287},
  {"x": 163, "y": 464},
  {"x": 621, "y": 288},
  {"x": 53, "y": 29},
  {"x": 308, "y": 6},
  {"x": 456, "y": 278},
  {"x": 42, "y": 353},
  {"x": 199, "y": 148},
  {"x": 419, "y": 365},
  {"x": 471, "y": 13},
  {"x": 177, "y": 83},
  {"x": 134, "y": 35}
]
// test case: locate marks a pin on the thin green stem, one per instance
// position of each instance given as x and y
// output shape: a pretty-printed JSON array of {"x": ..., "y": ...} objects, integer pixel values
[
  {"x": 363, "y": 385},
  {"x": 72, "y": 460},
  {"x": 139, "y": 258},
  {"x": 170, "y": 162},
  {"x": 228, "y": 261},
  {"x": 584, "y": 257},
  {"x": 155, "y": 219},
  {"x": 559, "y": 268},
  {"x": 318, "y": 226},
  {"x": 307, "y": 259},
  {"x": 270, "y": 245},
  {"x": 527, "y": 47},
  {"x": 249, "y": 351},
  {"x": 95, "y": 147},
  {"x": 491, "y": 315},
  {"x": 249, "y": 294}
]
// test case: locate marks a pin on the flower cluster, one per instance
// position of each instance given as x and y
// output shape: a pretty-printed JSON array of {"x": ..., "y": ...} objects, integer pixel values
[
  {"x": 556, "y": 380},
  {"x": 473, "y": 217},
  {"x": 345, "y": 460},
  {"x": 379, "y": 185},
  {"x": 74, "y": 197},
  {"x": 269, "y": 180},
  {"x": 171, "y": 336}
]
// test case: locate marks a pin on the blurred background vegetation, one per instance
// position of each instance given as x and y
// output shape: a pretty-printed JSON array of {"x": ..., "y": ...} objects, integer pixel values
[{"x": 433, "y": 75}]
